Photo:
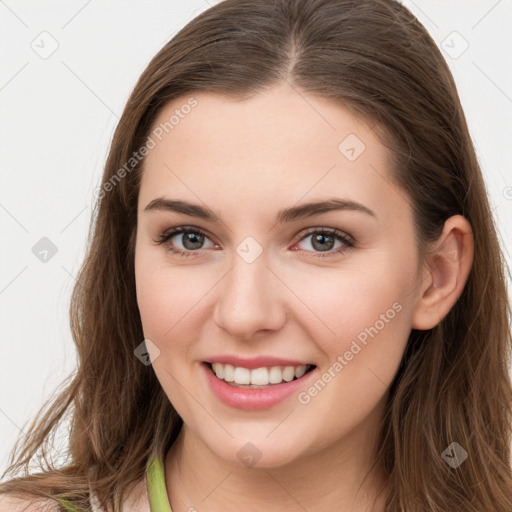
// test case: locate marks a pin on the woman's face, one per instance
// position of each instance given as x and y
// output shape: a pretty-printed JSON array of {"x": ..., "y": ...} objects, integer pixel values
[{"x": 270, "y": 284}]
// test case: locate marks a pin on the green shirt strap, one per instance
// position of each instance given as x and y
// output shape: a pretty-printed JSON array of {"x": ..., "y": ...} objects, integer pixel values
[{"x": 158, "y": 500}]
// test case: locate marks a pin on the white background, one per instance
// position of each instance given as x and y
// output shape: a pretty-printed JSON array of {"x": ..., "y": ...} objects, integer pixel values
[{"x": 58, "y": 117}]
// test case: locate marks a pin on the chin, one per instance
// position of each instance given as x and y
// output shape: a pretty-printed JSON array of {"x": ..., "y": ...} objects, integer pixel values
[{"x": 259, "y": 452}]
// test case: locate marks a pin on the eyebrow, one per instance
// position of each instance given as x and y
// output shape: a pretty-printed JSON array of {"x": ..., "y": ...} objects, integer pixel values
[{"x": 302, "y": 211}]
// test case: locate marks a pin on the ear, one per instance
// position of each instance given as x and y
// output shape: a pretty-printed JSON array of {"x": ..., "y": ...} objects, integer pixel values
[{"x": 444, "y": 276}]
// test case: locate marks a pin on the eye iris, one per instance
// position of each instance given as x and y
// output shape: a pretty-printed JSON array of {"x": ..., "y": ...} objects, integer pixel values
[
  {"x": 194, "y": 238},
  {"x": 320, "y": 238}
]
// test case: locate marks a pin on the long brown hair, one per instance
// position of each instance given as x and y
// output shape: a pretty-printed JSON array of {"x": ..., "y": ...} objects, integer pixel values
[{"x": 453, "y": 383}]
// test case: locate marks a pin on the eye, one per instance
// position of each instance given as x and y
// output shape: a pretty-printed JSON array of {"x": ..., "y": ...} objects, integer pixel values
[
  {"x": 324, "y": 240},
  {"x": 191, "y": 238}
]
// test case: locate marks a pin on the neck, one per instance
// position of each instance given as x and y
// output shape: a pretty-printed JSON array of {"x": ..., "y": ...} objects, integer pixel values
[{"x": 338, "y": 477}]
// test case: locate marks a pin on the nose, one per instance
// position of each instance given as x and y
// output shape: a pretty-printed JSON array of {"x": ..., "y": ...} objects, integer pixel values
[{"x": 250, "y": 299}]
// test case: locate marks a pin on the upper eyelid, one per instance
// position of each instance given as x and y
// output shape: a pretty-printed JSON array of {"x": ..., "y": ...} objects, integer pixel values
[{"x": 178, "y": 230}]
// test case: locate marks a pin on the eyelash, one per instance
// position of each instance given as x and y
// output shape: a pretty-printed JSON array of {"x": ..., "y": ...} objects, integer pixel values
[{"x": 348, "y": 241}]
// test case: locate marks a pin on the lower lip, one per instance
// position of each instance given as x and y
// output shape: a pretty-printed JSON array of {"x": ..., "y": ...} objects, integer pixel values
[{"x": 253, "y": 399}]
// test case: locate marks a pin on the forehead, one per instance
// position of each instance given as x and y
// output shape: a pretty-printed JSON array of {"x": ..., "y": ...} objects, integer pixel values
[{"x": 280, "y": 140}]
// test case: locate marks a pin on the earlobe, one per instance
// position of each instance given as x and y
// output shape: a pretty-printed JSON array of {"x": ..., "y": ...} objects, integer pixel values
[{"x": 446, "y": 271}]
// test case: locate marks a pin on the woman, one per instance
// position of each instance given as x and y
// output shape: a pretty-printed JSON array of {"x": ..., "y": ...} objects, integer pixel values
[{"x": 294, "y": 296}]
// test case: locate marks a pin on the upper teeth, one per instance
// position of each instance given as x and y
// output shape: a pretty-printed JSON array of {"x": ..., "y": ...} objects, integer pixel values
[{"x": 258, "y": 376}]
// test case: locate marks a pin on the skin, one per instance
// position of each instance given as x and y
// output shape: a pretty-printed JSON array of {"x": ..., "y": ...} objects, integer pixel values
[{"x": 246, "y": 160}]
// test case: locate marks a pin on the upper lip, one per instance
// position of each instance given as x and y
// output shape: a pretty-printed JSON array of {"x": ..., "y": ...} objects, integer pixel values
[{"x": 254, "y": 362}]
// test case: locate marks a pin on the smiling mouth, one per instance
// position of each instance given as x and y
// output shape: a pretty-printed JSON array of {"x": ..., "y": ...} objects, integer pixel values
[{"x": 257, "y": 378}]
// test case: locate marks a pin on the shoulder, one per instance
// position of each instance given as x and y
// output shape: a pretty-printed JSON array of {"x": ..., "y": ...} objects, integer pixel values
[
  {"x": 137, "y": 499},
  {"x": 9, "y": 503}
]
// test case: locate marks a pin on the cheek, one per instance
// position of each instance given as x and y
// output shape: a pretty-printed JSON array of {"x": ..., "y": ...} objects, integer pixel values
[
  {"x": 348, "y": 302},
  {"x": 161, "y": 304},
  {"x": 169, "y": 301},
  {"x": 362, "y": 324},
  {"x": 370, "y": 313}
]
